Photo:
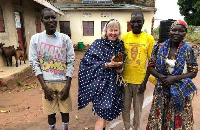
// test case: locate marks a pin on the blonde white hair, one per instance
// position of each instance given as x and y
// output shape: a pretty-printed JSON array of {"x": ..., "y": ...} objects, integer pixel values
[{"x": 110, "y": 24}]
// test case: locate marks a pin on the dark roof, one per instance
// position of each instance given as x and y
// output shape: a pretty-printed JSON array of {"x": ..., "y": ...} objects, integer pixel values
[{"x": 100, "y": 6}]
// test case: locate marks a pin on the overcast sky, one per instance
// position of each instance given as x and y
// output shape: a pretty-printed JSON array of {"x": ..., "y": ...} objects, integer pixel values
[{"x": 166, "y": 9}]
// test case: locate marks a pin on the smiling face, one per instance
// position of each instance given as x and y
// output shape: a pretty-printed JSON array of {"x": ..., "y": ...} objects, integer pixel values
[
  {"x": 137, "y": 22},
  {"x": 50, "y": 22},
  {"x": 113, "y": 32},
  {"x": 177, "y": 33}
]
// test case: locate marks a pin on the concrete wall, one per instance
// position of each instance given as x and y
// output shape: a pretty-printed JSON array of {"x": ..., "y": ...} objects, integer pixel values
[
  {"x": 76, "y": 18},
  {"x": 29, "y": 20},
  {"x": 10, "y": 36}
]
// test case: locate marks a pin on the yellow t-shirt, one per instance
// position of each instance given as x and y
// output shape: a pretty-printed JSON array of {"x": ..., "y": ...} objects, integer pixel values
[{"x": 138, "y": 48}]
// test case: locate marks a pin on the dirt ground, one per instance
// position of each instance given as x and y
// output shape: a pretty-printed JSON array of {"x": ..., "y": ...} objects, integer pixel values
[{"x": 24, "y": 107}]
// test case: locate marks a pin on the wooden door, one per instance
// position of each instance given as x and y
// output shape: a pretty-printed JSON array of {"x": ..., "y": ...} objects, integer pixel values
[
  {"x": 128, "y": 26},
  {"x": 2, "y": 26},
  {"x": 38, "y": 25},
  {"x": 20, "y": 29}
]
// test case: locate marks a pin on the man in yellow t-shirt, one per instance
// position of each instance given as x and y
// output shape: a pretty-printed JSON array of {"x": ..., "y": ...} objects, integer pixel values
[{"x": 138, "y": 47}]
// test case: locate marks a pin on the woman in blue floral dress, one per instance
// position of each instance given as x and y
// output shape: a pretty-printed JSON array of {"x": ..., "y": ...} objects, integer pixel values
[
  {"x": 97, "y": 75},
  {"x": 174, "y": 65}
]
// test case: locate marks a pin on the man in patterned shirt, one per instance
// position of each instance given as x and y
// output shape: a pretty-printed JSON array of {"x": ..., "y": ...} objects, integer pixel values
[{"x": 51, "y": 56}]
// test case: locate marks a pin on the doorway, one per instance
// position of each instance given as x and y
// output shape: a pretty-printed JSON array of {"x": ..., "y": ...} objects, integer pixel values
[
  {"x": 19, "y": 24},
  {"x": 128, "y": 26},
  {"x": 38, "y": 24}
]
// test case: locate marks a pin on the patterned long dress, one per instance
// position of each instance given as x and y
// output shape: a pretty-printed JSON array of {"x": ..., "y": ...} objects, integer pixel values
[
  {"x": 164, "y": 114},
  {"x": 97, "y": 84}
]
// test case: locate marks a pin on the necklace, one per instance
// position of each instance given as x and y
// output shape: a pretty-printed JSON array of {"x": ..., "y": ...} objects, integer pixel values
[{"x": 174, "y": 57}]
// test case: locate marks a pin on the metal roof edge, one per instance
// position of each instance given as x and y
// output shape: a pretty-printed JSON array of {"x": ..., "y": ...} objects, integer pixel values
[
  {"x": 70, "y": 7},
  {"x": 88, "y": 9},
  {"x": 49, "y": 5}
]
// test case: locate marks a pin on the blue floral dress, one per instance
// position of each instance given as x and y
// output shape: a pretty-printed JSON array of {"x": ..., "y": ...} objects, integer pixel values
[
  {"x": 171, "y": 108},
  {"x": 97, "y": 84}
]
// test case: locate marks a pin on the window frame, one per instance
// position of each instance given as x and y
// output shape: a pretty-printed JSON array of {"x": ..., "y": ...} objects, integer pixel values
[
  {"x": 68, "y": 31},
  {"x": 103, "y": 23},
  {"x": 89, "y": 30},
  {"x": 2, "y": 28}
]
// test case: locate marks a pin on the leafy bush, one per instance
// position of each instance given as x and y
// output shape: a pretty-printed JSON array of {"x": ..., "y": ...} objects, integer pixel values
[
  {"x": 193, "y": 34},
  {"x": 156, "y": 33}
]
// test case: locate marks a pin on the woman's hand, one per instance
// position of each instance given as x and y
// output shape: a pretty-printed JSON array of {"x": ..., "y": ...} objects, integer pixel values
[
  {"x": 161, "y": 76},
  {"x": 169, "y": 80},
  {"x": 113, "y": 64}
]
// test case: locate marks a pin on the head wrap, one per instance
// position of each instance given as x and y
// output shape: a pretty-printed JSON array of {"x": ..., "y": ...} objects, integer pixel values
[{"x": 180, "y": 22}]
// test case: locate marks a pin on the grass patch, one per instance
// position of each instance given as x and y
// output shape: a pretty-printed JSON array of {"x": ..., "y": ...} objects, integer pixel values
[{"x": 20, "y": 83}]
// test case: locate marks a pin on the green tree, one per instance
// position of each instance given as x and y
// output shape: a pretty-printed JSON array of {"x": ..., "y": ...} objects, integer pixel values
[
  {"x": 191, "y": 10},
  {"x": 193, "y": 34},
  {"x": 191, "y": 29},
  {"x": 156, "y": 33}
]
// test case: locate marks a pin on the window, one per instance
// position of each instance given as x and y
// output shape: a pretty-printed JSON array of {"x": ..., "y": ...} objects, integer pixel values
[
  {"x": 88, "y": 28},
  {"x": 2, "y": 26},
  {"x": 65, "y": 27},
  {"x": 18, "y": 2},
  {"x": 103, "y": 23}
]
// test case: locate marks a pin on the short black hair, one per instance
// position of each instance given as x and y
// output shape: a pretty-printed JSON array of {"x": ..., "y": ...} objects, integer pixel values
[
  {"x": 45, "y": 9},
  {"x": 137, "y": 12}
]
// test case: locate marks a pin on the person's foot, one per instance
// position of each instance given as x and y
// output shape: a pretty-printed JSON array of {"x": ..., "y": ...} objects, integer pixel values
[
  {"x": 64, "y": 126},
  {"x": 53, "y": 127}
]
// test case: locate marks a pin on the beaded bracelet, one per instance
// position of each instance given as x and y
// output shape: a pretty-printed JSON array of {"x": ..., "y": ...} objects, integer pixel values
[{"x": 107, "y": 65}]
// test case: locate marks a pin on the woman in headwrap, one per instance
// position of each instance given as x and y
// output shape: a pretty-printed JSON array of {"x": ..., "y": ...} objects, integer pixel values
[
  {"x": 174, "y": 65},
  {"x": 98, "y": 74}
]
